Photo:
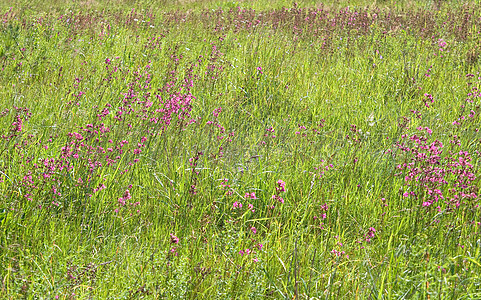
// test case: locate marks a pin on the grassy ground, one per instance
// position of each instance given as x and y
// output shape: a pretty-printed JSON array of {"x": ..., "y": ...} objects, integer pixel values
[{"x": 239, "y": 150}]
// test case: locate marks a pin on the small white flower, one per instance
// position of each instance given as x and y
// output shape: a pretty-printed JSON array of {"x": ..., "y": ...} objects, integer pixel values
[{"x": 370, "y": 119}]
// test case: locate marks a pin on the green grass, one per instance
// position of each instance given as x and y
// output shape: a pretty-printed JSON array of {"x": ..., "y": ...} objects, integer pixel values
[{"x": 61, "y": 237}]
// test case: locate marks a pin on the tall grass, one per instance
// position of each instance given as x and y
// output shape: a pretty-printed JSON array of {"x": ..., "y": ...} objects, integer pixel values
[{"x": 246, "y": 151}]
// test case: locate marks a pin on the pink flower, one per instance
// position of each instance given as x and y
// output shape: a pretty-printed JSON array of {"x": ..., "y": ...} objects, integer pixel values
[
  {"x": 217, "y": 111},
  {"x": 254, "y": 230},
  {"x": 174, "y": 239},
  {"x": 371, "y": 232},
  {"x": 250, "y": 196},
  {"x": 281, "y": 186}
]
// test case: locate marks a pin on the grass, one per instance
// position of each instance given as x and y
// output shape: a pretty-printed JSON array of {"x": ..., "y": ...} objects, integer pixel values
[{"x": 275, "y": 150}]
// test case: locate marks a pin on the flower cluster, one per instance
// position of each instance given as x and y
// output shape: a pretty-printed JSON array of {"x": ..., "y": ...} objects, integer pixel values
[
  {"x": 281, "y": 188},
  {"x": 430, "y": 176}
]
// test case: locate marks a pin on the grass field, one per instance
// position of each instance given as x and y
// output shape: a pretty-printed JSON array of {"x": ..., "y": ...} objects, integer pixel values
[{"x": 240, "y": 150}]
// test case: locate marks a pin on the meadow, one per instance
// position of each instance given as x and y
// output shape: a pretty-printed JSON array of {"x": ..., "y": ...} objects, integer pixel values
[{"x": 240, "y": 150}]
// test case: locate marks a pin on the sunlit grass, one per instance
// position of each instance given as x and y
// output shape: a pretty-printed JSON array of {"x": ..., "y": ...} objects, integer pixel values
[{"x": 151, "y": 158}]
